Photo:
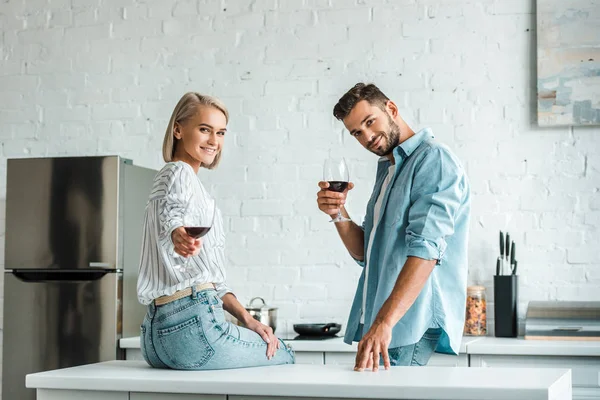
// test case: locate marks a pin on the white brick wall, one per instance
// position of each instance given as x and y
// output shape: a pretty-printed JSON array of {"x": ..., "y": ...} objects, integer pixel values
[{"x": 86, "y": 77}]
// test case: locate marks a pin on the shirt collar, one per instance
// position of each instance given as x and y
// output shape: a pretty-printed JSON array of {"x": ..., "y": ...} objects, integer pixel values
[{"x": 407, "y": 147}]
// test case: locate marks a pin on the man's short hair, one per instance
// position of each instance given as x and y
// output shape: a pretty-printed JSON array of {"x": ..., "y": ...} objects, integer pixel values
[{"x": 359, "y": 92}]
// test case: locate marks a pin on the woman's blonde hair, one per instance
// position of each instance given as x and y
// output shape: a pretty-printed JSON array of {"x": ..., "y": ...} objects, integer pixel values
[{"x": 185, "y": 109}]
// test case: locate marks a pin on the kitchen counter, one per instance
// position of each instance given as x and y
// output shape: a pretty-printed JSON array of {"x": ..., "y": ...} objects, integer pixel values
[
  {"x": 327, "y": 351},
  {"x": 132, "y": 379},
  {"x": 335, "y": 345},
  {"x": 470, "y": 345},
  {"x": 520, "y": 346}
]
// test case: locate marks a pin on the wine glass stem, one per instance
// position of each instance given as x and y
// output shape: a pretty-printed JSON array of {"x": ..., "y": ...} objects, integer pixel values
[{"x": 184, "y": 264}]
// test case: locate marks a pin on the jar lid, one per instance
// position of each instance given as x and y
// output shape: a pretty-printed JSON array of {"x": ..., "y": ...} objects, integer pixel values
[
  {"x": 264, "y": 306},
  {"x": 475, "y": 289}
]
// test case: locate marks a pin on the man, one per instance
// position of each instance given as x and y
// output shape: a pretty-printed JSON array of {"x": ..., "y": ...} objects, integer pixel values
[{"x": 411, "y": 296}]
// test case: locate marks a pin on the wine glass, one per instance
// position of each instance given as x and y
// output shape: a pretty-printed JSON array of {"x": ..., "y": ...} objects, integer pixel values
[
  {"x": 198, "y": 219},
  {"x": 335, "y": 171}
]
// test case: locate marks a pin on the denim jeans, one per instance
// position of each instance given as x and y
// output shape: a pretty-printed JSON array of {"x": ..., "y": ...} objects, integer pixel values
[
  {"x": 192, "y": 334},
  {"x": 417, "y": 354}
]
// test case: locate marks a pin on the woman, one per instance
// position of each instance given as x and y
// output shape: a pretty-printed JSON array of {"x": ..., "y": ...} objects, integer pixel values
[{"x": 185, "y": 326}]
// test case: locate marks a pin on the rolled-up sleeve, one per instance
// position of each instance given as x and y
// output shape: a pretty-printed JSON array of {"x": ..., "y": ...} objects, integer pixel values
[
  {"x": 436, "y": 195},
  {"x": 222, "y": 289},
  {"x": 359, "y": 262}
]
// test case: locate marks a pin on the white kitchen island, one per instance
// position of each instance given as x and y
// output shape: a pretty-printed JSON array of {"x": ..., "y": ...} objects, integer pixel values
[{"x": 135, "y": 380}]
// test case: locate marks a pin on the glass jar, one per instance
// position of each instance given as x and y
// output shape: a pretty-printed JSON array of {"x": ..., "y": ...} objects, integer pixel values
[{"x": 476, "y": 315}]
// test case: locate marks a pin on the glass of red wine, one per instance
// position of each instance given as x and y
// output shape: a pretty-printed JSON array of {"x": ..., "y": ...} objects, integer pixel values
[
  {"x": 198, "y": 219},
  {"x": 335, "y": 171}
]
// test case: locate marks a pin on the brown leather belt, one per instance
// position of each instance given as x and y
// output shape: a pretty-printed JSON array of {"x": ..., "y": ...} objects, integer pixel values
[{"x": 180, "y": 294}]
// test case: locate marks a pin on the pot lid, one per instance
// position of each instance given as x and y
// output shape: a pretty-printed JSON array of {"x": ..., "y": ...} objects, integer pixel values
[{"x": 253, "y": 307}]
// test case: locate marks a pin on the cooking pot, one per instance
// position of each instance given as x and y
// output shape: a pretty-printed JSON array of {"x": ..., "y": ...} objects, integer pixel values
[{"x": 262, "y": 313}]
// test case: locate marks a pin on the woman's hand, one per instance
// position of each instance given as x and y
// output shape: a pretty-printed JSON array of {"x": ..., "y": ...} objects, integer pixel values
[
  {"x": 265, "y": 332},
  {"x": 233, "y": 307},
  {"x": 185, "y": 245}
]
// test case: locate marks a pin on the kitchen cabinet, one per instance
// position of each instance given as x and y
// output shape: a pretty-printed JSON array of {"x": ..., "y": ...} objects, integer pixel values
[
  {"x": 585, "y": 370},
  {"x": 174, "y": 396},
  {"x": 51, "y": 394},
  {"x": 580, "y": 393},
  {"x": 581, "y": 357},
  {"x": 55, "y": 394},
  {"x": 283, "y": 398},
  {"x": 134, "y": 354}
]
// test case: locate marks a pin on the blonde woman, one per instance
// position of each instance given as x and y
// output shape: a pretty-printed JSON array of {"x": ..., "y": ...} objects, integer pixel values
[{"x": 185, "y": 326}]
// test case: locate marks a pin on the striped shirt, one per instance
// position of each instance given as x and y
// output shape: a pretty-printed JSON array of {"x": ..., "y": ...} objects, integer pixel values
[{"x": 174, "y": 185}]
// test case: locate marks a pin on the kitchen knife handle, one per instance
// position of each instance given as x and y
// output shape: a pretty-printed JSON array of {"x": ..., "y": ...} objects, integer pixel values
[
  {"x": 501, "y": 244},
  {"x": 507, "y": 250},
  {"x": 498, "y": 266},
  {"x": 512, "y": 253},
  {"x": 514, "y": 270}
]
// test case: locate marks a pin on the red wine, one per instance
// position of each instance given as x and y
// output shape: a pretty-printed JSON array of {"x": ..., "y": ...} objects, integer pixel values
[
  {"x": 196, "y": 231},
  {"x": 337, "y": 186}
]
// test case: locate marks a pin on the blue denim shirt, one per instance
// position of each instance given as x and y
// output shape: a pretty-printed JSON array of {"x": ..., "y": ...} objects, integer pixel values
[{"x": 425, "y": 213}]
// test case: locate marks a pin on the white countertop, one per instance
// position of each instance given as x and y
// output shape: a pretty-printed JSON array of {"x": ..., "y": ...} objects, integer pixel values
[
  {"x": 520, "y": 346},
  {"x": 469, "y": 345},
  {"x": 316, "y": 381},
  {"x": 335, "y": 345},
  {"x": 130, "y": 343}
]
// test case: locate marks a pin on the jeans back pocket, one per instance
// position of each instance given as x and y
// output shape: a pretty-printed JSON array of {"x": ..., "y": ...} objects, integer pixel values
[{"x": 185, "y": 345}]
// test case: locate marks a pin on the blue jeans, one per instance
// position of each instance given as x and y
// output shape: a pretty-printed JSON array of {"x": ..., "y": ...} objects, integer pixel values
[
  {"x": 192, "y": 334},
  {"x": 417, "y": 354}
]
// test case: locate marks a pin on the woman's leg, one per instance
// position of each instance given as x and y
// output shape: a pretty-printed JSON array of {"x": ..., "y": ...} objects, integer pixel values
[
  {"x": 192, "y": 334},
  {"x": 238, "y": 347}
]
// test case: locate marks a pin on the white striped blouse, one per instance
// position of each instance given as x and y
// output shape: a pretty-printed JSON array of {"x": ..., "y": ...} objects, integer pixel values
[{"x": 158, "y": 275}]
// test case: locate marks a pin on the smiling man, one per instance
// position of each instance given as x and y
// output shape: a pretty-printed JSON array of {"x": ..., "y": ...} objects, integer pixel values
[{"x": 410, "y": 299}]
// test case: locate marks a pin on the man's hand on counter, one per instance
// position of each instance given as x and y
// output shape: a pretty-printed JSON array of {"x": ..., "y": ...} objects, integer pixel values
[{"x": 375, "y": 342}]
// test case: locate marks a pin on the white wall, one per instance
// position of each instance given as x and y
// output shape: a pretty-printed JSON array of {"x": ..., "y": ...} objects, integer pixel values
[{"x": 88, "y": 77}]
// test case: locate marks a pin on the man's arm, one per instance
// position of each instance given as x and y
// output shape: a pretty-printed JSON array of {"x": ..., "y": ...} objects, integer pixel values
[
  {"x": 410, "y": 282},
  {"x": 352, "y": 236}
]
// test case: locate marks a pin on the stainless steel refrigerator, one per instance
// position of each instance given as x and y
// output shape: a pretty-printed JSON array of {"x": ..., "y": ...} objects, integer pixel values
[{"x": 73, "y": 240}]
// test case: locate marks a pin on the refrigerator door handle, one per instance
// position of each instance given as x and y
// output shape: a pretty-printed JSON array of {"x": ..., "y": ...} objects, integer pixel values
[{"x": 62, "y": 276}]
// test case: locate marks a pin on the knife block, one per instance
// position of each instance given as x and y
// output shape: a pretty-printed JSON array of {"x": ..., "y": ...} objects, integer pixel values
[{"x": 505, "y": 305}]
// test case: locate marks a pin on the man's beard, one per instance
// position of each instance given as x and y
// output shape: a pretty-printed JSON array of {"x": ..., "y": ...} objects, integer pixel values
[{"x": 392, "y": 136}]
